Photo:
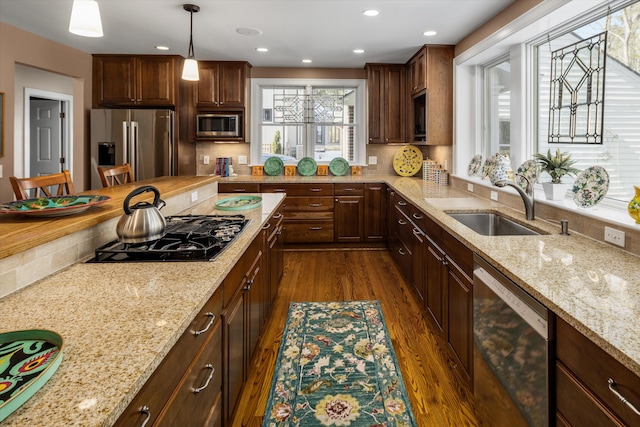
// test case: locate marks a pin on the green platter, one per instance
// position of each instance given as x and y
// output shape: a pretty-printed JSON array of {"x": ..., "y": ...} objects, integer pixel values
[
  {"x": 273, "y": 166},
  {"x": 339, "y": 166},
  {"x": 28, "y": 359},
  {"x": 52, "y": 206},
  {"x": 307, "y": 166},
  {"x": 239, "y": 203}
]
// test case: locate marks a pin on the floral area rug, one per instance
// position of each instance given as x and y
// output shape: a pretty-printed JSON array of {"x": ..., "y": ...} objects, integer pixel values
[{"x": 336, "y": 367}]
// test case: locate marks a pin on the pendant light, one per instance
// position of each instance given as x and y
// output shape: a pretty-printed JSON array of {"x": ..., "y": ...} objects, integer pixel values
[
  {"x": 190, "y": 69},
  {"x": 85, "y": 19}
]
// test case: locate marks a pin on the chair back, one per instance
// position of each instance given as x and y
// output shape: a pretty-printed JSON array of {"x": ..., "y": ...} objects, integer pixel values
[
  {"x": 116, "y": 175},
  {"x": 40, "y": 185}
]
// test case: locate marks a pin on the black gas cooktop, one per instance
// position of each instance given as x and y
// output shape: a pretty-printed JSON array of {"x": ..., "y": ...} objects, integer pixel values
[{"x": 187, "y": 238}]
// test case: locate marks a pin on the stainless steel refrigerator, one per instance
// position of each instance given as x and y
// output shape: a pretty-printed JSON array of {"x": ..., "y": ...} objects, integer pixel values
[{"x": 142, "y": 138}]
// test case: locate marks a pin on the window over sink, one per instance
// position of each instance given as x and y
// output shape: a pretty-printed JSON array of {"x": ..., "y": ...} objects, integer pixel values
[{"x": 322, "y": 119}]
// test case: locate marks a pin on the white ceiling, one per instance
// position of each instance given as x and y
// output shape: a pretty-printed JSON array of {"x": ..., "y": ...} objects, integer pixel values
[{"x": 326, "y": 31}]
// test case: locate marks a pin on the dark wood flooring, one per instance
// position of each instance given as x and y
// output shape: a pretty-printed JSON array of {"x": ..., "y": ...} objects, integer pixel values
[{"x": 337, "y": 275}]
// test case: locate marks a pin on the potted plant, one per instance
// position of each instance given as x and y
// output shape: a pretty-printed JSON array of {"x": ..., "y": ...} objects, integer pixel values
[{"x": 556, "y": 165}]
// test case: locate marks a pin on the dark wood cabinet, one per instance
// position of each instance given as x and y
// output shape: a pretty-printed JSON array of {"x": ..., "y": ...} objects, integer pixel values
[
  {"x": 275, "y": 253},
  {"x": 417, "y": 69},
  {"x": 233, "y": 348},
  {"x": 162, "y": 400},
  {"x": 375, "y": 212},
  {"x": 436, "y": 274},
  {"x": 349, "y": 212},
  {"x": 584, "y": 394},
  {"x": 238, "y": 187},
  {"x": 387, "y": 103},
  {"x": 459, "y": 321},
  {"x": 135, "y": 80},
  {"x": 222, "y": 85}
]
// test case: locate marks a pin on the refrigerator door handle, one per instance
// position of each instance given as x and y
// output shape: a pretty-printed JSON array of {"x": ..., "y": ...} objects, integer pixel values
[
  {"x": 125, "y": 142},
  {"x": 134, "y": 148}
]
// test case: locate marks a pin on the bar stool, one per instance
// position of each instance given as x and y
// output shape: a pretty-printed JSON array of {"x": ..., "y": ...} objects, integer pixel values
[
  {"x": 41, "y": 184},
  {"x": 116, "y": 175}
]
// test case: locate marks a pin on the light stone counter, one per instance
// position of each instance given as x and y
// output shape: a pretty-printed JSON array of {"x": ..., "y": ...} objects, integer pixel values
[
  {"x": 595, "y": 287},
  {"x": 118, "y": 322}
]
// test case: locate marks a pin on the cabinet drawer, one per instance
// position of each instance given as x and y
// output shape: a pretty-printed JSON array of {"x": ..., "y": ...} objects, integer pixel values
[
  {"x": 578, "y": 406},
  {"x": 187, "y": 406},
  {"x": 238, "y": 187},
  {"x": 308, "y": 207},
  {"x": 593, "y": 367},
  {"x": 314, "y": 190},
  {"x": 156, "y": 391},
  {"x": 349, "y": 189},
  {"x": 308, "y": 231}
]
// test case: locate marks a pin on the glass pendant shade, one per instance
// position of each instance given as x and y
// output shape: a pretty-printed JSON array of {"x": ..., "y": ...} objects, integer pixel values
[
  {"x": 85, "y": 19},
  {"x": 190, "y": 70}
]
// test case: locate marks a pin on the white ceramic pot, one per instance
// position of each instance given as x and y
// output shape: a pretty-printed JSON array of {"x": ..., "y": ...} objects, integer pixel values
[{"x": 555, "y": 191}]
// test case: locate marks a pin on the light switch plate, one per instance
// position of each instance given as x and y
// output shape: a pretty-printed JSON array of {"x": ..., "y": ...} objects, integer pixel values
[
  {"x": 205, "y": 160},
  {"x": 373, "y": 160},
  {"x": 242, "y": 160}
]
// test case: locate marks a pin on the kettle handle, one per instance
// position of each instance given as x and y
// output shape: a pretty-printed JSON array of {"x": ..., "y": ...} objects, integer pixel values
[{"x": 140, "y": 190}]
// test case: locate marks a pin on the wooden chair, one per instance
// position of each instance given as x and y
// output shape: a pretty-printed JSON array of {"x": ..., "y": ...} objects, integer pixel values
[
  {"x": 116, "y": 175},
  {"x": 41, "y": 184}
]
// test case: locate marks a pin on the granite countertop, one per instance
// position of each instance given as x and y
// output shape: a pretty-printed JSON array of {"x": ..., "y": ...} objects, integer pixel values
[
  {"x": 591, "y": 285},
  {"x": 118, "y": 323}
]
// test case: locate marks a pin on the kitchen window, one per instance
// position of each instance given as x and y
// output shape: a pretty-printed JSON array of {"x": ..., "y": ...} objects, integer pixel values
[
  {"x": 619, "y": 152},
  {"x": 321, "y": 119},
  {"x": 497, "y": 106}
]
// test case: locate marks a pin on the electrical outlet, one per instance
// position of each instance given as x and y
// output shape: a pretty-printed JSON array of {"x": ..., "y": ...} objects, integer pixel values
[
  {"x": 494, "y": 195},
  {"x": 470, "y": 187},
  {"x": 373, "y": 160},
  {"x": 194, "y": 196},
  {"x": 205, "y": 160},
  {"x": 614, "y": 236},
  {"x": 242, "y": 160}
]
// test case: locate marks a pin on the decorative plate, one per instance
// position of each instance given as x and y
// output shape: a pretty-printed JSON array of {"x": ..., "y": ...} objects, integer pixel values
[
  {"x": 339, "y": 166},
  {"x": 52, "y": 206},
  {"x": 407, "y": 160},
  {"x": 530, "y": 170},
  {"x": 307, "y": 166},
  {"x": 239, "y": 203},
  {"x": 590, "y": 186},
  {"x": 27, "y": 360},
  {"x": 273, "y": 166},
  {"x": 475, "y": 165},
  {"x": 488, "y": 167}
]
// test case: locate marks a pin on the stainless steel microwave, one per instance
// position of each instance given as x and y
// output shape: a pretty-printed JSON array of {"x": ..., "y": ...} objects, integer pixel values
[{"x": 219, "y": 125}]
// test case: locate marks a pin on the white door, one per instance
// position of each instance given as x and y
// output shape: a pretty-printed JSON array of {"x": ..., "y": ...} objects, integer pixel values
[{"x": 45, "y": 145}]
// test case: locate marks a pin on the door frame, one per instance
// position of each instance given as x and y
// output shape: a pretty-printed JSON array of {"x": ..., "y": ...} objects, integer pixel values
[{"x": 66, "y": 101}]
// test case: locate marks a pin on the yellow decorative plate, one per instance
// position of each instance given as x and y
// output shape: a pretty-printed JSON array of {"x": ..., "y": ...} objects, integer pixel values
[{"x": 407, "y": 161}]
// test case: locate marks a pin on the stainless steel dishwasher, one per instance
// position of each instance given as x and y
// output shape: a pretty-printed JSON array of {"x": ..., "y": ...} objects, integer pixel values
[{"x": 512, "y": 352}]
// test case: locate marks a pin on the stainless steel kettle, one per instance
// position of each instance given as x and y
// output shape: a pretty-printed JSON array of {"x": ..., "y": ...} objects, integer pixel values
[{"x": 143, "y": 221}]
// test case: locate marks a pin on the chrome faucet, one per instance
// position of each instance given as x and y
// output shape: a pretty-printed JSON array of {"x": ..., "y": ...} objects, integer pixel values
[{"x": 526, "y": 194}]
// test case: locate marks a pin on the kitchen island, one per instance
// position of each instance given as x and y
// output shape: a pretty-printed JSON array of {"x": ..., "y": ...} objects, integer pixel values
[{"x": 118, "y": 322}]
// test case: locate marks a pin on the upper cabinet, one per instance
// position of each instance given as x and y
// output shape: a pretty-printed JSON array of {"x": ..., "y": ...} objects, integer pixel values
[
  {"x": 431, "y": 89},
  {"x": 387, "y": 103},
  {"x": 223, "y": 85},
  {"x": 135, "y": 80}
]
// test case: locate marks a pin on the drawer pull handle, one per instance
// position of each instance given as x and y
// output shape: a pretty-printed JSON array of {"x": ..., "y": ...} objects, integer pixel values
[
  {"x": 349, "y": 189},
  {"x": 315, "y": 228},
  {"x": 277, "y": 216},
  {"x": 266, "y": 226},
  {"x": 239, "y": 190},
  {"x": 206, "y": 384},
  {"x": 145, "y": 410},
  {"x": 623, "y": 399},
  {"x": 279, "y": 190},
  {"x": 416, "y": 216},
  {"x": 315, "y": 190},
  {"x": 402, "y": 203},
  {"x": 206, "y": 328},
  {"x": 401, "y": 251},
  {"x": 315, "y": 205},
  {"x": 402, "y": 222}
]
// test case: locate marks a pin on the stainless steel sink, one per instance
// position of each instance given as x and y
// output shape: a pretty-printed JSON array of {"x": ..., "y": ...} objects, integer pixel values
[{"x": 491, "y": 224}]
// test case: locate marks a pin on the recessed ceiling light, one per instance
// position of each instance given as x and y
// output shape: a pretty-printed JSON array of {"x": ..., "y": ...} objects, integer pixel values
[
  {"x": 162, "y": 47},
  {"x": 358, "y": 50},
  {"x": 248, "y": 31},
  {"x": 371, "y": 12},
  {"x": 307, "y": 61},
  {"x": 262, "y": 49},
  {"x": 429, "y": 33}
]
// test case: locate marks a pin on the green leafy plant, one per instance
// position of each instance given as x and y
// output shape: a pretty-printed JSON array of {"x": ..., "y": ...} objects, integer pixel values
[{"x": 557, "y": 165}]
